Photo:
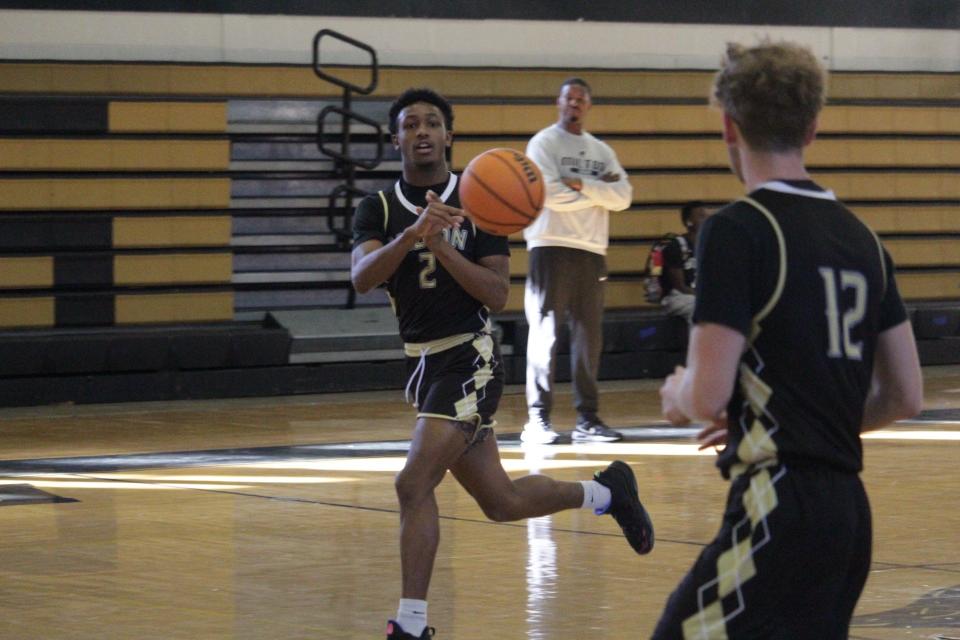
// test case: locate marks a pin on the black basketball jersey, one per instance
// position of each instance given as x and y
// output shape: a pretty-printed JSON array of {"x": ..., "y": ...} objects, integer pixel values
[
  {"x": 811, "y": 287},
  {"x": 428, "y": 302}
]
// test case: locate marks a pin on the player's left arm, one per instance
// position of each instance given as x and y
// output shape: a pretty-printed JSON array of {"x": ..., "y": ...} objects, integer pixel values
[
  {"x": 612, "y": 190},
  {"x": 487, "y": 280},
  {"x": 896, "y": 388}
]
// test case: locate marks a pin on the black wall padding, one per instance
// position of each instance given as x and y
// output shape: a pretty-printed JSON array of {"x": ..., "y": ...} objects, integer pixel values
[
  {"x": 112, "y": 350},
  {"x": 936, "y": 323},
  {"x": 268, "y": 347},
  {"x": 645, "y": 331},
  {"x": 53, "y": 116},
  {"x": 33, "y": 233},
  {"x": 201, "y": 351},
  {"x": 655, "y": 333},
  {"x": 20, "y": 357},
  {"x": 939, "y": 351},
  {"x": 149, "y": 352}
]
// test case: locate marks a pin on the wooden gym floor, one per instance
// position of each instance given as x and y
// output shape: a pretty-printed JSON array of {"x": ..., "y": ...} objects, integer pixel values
[{"x": 276, "y": 519}]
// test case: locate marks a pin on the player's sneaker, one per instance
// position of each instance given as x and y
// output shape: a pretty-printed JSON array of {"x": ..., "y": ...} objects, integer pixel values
[
  {"x": 396, "y": 632},
  {"x": 625, "y": 506},
  {"x": 593, "y": 430},
  {"x": 538, "y": 430}
]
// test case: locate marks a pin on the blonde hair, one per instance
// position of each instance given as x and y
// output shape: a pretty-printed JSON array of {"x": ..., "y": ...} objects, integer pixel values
[{"x": 773, "y": 91}]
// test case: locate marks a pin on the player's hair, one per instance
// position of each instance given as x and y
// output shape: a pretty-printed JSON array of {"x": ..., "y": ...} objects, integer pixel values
[
  {"x": 686, "y": 211},
  {"x": 773, "y": 91},
  {"x": 429, "y": 96},
  {"x": 578, "y": 82}
]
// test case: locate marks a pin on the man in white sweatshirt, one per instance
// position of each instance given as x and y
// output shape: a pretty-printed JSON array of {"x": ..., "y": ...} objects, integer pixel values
[{"x": 567, "y": 245}]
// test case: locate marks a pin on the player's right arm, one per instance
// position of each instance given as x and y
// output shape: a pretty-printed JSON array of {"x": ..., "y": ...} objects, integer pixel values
[{"x": 374, "y": 259}]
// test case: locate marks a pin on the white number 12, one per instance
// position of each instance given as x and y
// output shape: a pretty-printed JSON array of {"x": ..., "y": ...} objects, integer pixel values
[{"x": 851, "y": 317}]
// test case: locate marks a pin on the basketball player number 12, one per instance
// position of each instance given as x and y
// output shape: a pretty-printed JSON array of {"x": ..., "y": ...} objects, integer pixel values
[{"x": 851, "y": 317}]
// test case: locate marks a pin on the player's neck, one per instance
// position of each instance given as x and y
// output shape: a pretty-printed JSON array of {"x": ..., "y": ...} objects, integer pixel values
[
  {"x": 425, "y": 175},
  {"x": 760, "y": 167}
]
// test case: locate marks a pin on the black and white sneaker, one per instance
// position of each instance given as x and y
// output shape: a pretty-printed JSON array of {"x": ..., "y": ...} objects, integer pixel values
[
  {"x": 625, "y": 506},
  {"x": 538, "y": 430},
  {"x": 593, "y": 430},
  {"x": 396, "y": 632}
]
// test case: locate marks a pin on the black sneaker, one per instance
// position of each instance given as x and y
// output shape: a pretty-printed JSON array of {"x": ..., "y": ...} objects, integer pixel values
[
  {"x": 593, "y": 430},
  {"x": 625, "y": 505},
  {"x": 396, "y": 632}
]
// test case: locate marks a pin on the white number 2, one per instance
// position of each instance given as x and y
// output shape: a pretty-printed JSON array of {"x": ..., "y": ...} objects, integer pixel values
[{"x": 851, "y": 317}]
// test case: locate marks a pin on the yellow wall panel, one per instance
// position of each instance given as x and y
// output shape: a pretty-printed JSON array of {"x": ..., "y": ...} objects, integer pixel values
[
  {"x": 711, "y": 152},
  {"x": 924, "y": 252},
  {"x": 26, "y": 312},
  {"x": 114, "y": 193},
  {"x": 179, "y": 231},
  {"x": 172, "y": 268},
  {"x": 172, "y": 117},
  {"x": 910, "y": 219},
  {"x": 240, "y": 80},
  {"x": 929, "y": 286},
  {"x": 174, "y": 307},
  {"x": 23, "y": 273},
  {"x": 114, "y": 155}
]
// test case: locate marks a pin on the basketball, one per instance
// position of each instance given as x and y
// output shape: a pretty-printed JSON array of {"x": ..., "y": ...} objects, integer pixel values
[{"x": 502, "y": 191}]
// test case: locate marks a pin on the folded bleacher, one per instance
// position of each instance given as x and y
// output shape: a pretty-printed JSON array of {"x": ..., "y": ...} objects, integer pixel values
[{"x": 140, "y": 198}]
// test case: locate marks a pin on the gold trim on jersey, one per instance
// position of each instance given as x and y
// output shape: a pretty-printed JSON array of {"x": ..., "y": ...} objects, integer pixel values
[
  {"x": 781, "y": 276},
  {"x": 386, "y": 210},
  {"x": 883, "y": 263}
]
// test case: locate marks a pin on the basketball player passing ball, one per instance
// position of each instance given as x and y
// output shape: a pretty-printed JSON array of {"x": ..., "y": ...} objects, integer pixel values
[{"x": 445, "y": 277}]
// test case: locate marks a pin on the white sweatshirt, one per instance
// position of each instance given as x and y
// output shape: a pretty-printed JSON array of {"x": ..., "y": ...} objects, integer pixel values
[{"x": 576, "y": 219}]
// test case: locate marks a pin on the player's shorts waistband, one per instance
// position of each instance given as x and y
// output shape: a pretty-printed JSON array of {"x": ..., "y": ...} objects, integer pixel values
[{"x": 417, "y": 349}]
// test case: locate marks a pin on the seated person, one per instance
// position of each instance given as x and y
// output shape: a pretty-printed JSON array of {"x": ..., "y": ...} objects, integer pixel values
[{"x": 680, "y": 265}]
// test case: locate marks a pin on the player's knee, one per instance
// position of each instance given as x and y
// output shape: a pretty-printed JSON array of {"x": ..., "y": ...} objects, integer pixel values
[
  {"x": 412, "y": 487},
  {"x": 501, "y": 509}
]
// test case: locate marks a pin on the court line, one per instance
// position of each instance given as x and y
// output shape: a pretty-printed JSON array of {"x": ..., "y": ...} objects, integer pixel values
[{"x": 246, "y": 494}]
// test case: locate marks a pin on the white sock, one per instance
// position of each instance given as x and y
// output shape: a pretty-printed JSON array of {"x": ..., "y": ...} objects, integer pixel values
[
  {"x": 412, "y": 616},
  {"x": 595, "y": 496}
]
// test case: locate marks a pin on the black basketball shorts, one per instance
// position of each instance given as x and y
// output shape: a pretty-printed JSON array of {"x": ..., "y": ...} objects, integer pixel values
[
  {"x": 790, "y": 560},
  {"x": 463, "y": 383}
]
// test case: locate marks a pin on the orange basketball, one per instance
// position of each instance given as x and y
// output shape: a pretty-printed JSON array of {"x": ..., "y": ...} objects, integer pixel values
[{"x": 502, "y": 190}]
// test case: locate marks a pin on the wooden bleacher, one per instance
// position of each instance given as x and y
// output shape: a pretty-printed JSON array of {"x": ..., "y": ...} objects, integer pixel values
[{"x": 137, "y": 194}]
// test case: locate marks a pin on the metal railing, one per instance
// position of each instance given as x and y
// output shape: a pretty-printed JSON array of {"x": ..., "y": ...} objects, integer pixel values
[{"x": 339, "y": 217}]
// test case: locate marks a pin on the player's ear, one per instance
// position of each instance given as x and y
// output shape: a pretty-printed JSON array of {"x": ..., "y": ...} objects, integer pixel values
[
  {"x": 448, "y": 138},
  {"x": 731, "y": 133},
  {"x": 810, "y": 133},
  {"x": 395, "y": 140}
]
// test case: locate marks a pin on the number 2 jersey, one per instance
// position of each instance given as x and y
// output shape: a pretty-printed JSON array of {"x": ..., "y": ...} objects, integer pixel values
[
  {"x": 429, "y": 303},
  {"x": 811, "y": 287}
]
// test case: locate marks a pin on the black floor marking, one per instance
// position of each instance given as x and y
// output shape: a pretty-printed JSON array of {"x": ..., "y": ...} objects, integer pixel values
[
  {"x": 12, "y": 495},
  {"x": 939, "y": 609},
  {"x": 939, "y": 414}
]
